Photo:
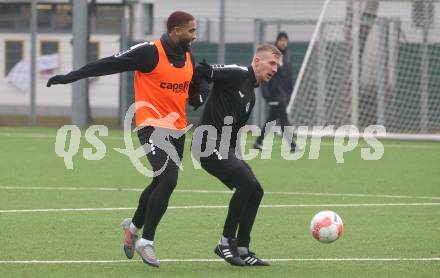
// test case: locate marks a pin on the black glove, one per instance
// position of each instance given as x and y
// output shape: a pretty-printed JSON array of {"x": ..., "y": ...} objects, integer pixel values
[
  {"x": 198, "y": 94},
  {"x": 57, "y": 79},
  {"x": 203, "y": 70}
]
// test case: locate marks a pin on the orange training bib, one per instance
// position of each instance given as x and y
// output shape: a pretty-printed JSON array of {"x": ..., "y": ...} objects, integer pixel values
[{"x": 161, "y": 95}]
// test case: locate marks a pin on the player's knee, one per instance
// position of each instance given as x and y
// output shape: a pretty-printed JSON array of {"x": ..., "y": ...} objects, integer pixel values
[
  {"x": 169, "y": 181},
  {"x": 259, "y": 191},
  {"x": 255, "y": 188}
]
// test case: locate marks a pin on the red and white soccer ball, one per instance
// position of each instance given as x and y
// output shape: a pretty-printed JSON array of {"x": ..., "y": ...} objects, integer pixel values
[{"x": 326, "y": 226}]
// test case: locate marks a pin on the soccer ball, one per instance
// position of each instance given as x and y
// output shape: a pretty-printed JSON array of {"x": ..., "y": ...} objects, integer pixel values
[{"x": 326, "y": 226}]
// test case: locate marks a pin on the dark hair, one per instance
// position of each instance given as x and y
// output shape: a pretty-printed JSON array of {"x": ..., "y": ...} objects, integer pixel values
[
  {"x": 177, "y": 19},
  {"x": 282, "y": 35}
]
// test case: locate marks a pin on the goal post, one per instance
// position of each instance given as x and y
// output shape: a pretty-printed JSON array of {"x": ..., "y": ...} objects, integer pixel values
[{"x": 372, "y": 62}]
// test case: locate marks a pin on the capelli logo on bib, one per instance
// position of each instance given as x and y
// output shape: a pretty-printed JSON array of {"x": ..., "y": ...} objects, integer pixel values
[{"x": 175, "y": 87}]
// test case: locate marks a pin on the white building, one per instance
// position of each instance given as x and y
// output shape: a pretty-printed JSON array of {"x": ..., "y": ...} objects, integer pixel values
[{"x": 147, "y": 22}]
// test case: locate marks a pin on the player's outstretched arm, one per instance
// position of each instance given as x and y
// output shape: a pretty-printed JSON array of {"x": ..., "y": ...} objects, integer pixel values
[
  {"x": 226, "y": 74},
  {"x": 142, "y": 57},
  {"x": 230, "y": 74},
  {"x": 105, "y": 66}
]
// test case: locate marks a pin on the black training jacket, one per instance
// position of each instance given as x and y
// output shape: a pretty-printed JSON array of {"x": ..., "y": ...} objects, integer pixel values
[{"x": 232, "y": 95}]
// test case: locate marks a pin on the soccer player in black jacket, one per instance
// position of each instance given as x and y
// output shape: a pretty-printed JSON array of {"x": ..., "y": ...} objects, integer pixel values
[{"x": 231, "y": 102}]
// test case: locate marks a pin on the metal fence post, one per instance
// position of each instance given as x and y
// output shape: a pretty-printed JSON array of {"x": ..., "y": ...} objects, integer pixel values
[
  {"x": 80, "y": 41},
  {"x": 33, "y": 29},
  {"x": 123, "y": 79}
]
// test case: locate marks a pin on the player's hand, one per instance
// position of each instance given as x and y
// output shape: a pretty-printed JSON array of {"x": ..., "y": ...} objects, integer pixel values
[
  {"x": 204, "y": 70},
  {"x": 57, "y": 79}
]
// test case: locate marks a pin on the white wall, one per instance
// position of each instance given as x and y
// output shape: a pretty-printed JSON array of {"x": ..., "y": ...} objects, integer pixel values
[{"x": 104, "y": 91}]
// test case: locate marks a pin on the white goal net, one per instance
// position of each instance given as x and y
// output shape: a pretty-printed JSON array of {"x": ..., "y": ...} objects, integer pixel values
[{"x": 372, "y": 62}]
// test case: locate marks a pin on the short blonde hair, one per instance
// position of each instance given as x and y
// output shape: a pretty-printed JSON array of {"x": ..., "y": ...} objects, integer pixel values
[{"x": 267, "y": 47}]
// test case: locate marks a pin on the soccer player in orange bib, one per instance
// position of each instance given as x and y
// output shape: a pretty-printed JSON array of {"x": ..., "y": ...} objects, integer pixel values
[{"x": 163, "y": 80}]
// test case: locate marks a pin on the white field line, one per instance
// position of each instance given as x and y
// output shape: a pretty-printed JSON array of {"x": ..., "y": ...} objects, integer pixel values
[
  {"x": 433, "y": 259},
  {"x": 323, "y": 194},
  {"x": 221, "y": 192},
  {"x": 223, "y": 207},
  {"x": 71, "y": 188},
  {"x": 390, "y": 145},
  {"x": 121, "y": 138},
  {"x": 51, "y": 136},
  {"x": 27, "y": 135}
]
